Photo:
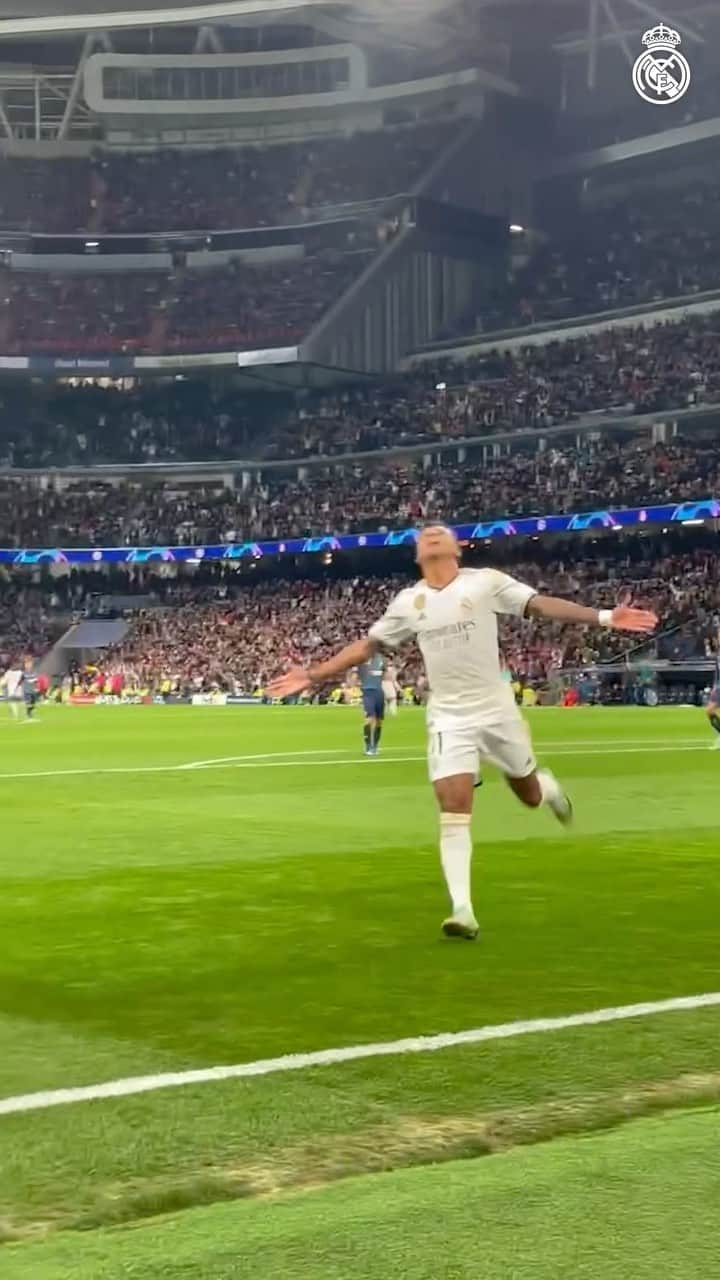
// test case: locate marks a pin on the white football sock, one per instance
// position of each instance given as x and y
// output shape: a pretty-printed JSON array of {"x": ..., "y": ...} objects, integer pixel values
[
  {"x": 456, "y": 857},
  {"x": 550, "y": 788}
]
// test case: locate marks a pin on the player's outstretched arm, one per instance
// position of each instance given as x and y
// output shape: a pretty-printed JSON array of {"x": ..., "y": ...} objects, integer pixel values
[
  {"x": 622, "y": 618},
  {"x": 298, "y": 679}
]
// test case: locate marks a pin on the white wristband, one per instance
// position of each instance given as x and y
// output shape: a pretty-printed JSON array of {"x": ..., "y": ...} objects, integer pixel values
[{"x": 605, "y": 617}]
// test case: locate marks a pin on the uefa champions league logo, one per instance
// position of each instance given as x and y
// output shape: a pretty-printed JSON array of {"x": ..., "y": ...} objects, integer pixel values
[{"x": 661, "y": 74}]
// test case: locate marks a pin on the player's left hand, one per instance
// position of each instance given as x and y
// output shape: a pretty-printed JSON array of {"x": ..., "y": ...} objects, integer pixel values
[{"x": 626, "y": 618}]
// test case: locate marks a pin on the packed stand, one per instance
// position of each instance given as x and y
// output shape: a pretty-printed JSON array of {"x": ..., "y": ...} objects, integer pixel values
[
  {"x": 682, "y": 588},
  {"x": 626, "y": 370},
  {"x": 216, "y": 308},
  {"x": 223, "y": 189},
  {"x": 238, "y": 307},
  {"x": 648, "y": 247},
  {"x": 216, "y": 627},
  {"x": 605, "y": 474},
  {"x": 52, "y": 196},
  {"x": 258, "y": 187},
  {"x": 65, "y": 314},
  {"x": 243, "y": 640},
  {"x": 617, "y": 371},
  {"x": 27, "y": 628},
  {"x": 244, "y": 635}
]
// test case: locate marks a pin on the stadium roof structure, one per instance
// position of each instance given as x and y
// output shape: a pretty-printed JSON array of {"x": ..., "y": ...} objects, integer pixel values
[
  {"x": 572, "y": 25},
  {"x": 541, "y": 49},
  {"x": 50, "y": 17},
  {"x": 64, "y": 17}
]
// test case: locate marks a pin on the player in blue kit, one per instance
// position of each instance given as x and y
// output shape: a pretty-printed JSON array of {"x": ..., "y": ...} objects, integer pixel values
[
  {"x": 29, "y": 688},
  {"x": 371, "y": 675}
]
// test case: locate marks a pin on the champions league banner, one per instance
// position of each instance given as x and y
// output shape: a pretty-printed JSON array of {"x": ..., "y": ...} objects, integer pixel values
[{"x": 525, "y": 526}]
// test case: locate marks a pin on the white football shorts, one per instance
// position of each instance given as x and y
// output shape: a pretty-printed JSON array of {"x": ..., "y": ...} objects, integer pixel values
[
  {"x": 461, "y": 746},
  {"x": 390, "y": 695}
]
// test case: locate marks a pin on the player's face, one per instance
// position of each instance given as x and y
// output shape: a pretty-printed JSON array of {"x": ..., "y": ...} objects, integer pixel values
[{"x": 437, "y": 543}]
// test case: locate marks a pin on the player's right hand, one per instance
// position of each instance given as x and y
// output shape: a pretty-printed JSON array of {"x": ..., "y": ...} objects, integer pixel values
[{"x": 294, "y": 681}]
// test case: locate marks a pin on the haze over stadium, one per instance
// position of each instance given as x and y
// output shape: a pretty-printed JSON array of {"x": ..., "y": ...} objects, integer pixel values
[{"x": 359, "y": 426}]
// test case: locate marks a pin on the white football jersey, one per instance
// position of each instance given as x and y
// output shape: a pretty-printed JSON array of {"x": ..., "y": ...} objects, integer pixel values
[
  {"x": 13, "y": 680},
  {"x": 456, "y": 629}
]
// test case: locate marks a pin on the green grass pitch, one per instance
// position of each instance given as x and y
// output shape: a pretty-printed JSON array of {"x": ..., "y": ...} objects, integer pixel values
[
  {"x": 637, "y": 1202},
  {"x": 283, "y": 894}
]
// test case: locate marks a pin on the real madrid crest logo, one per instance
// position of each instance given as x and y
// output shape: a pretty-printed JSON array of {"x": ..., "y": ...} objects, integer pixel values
[
  {"x": 419, "y": 602},
  {"x": 661, "y": 74}
]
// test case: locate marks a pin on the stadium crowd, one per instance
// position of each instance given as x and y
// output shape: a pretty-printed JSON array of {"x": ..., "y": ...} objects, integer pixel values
[
  {"x": 630, "y": 370},
  {"x": 235, "y": 306},
  {"x": 624, "y": 370},
  {"x": 218, "y": 628},
  {"x": 585, "y": 260},
  {"x": 601, "y": 473},
  {"x": 643, "y": 249},
  {"x": 215, "y": 190},
  {"x": 26, "y": 622}
]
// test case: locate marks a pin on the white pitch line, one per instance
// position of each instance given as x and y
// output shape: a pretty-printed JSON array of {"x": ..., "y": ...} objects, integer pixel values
[
  {"x": 124, "y": 1088},
  {"x": 277, "y": 758},
  {"x": 282, "y": 760},
  {"x": 264, "y": 755},
  {"x": 623, "y": 750}
]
